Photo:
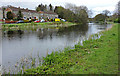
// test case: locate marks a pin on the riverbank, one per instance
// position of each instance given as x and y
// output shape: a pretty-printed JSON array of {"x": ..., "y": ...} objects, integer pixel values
[
  {"x": 96, "y": 56},
  {"x": 24, "y": 26}
]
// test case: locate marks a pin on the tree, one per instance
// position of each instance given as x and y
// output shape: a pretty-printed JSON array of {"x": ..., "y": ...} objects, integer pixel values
[
  {"x": 60, "y": 11},
  {"x": 9, "y": 15},
  {"x": 106, "y": 13},
  {"x": 118, "y": 8},
  {"x": 3, "y": 9},
  {"x": 116, "y": 16},
  {"x": 45, "y": 7},
  {"x": 19, "y": 15},
  {"x": 99, "y": 17},
  {"x": 80, "y": 12},
  {"x": 90, "y": 13},
  {"x": 51, "y": 8},
  {"x": 41, "y": 7},
  {"x": 37, "y": 9}
]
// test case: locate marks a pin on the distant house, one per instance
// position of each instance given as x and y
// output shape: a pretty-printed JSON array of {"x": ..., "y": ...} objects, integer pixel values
[
  {"x": 28, "y": 13},
  {"x": 50, "y": 14}
]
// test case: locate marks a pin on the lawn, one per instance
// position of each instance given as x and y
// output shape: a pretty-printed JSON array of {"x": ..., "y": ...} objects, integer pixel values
[
  {"x": 24, "y": 26},
  {"x": 96, "y": 56}
]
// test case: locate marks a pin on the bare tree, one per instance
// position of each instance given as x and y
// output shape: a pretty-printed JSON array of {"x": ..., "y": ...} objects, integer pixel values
[
  {"x": 106, "y": 13},
  {"x": 90, "y": 13}
]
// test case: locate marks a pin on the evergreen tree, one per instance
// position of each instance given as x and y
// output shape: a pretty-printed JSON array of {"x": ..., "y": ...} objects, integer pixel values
[
  {"x": 9, "y": 15},
  {"x": 3, "y": 9},
  {"x": 51, "y": 8},
  {"x": 19, "y": 15}
]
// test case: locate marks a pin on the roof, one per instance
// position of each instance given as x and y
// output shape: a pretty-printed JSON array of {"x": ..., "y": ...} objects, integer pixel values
[
  {"x": 22, "y": 9},
  {"x": 12, "y": 8}
]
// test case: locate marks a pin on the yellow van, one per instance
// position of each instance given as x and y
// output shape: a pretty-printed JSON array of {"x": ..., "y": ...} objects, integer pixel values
[{"x": 57, "y": 20}]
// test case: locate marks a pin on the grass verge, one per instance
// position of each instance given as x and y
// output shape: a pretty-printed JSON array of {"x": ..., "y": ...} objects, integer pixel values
[
  {"x": 96, "y": 56},
  {"x": 24, "y": 26}
]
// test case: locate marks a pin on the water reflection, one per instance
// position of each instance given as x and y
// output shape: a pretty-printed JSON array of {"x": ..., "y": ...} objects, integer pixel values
[{"x": 17, "y": 44}]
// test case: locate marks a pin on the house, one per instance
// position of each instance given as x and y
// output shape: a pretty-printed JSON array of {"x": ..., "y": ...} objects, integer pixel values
[
  {"x": 27, "y": 13},
  {"x": 50, "y": 14}
]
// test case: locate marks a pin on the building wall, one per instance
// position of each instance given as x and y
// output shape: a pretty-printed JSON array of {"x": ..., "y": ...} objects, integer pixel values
[{"x": 50, "y": 16}]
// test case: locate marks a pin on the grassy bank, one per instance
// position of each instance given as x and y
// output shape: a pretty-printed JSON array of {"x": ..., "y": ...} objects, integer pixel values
[
  {"x": 24, "y": 26},
  {"x": 96, "y": 56}
]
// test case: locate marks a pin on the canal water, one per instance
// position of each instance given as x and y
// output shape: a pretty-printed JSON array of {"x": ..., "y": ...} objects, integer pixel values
[{"x": 19, "y": 44}]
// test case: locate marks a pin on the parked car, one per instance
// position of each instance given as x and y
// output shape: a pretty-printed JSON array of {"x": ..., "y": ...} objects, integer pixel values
[
  {"x": 42, "y": 20},
  {"x": 37, "y": 21},
  {"x": 63, "y": 20},
  {"x": 20, "y": 21},
  {"x": 10, "y": 21}
]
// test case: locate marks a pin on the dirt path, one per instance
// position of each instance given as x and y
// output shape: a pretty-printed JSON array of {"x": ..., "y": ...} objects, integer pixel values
[{"x": 110, "y": 27}]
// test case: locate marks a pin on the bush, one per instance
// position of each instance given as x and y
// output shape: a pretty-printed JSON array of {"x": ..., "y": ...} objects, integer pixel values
[
  {"x": 14, "y": 19},
  {"x": 116, "y": 20}
]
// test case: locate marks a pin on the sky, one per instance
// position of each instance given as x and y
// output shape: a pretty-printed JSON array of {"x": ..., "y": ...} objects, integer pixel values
[{"x": 97, "y": 6}]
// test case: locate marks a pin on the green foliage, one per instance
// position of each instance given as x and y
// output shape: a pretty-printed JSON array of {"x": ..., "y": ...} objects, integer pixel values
[
  {"x": 99, "y": 17},
  {"x": 24, "y": 26},
  {"x": 9, "y": 15},
  {"x": 60, "y": 11},
  {"x": 80, "y": 15},
  {"x": 15, "y": 19},
  {"x": 38, "y": 9},
  {"x": 51, "y": 8},
  {"x": 65, "y": 13},
  {"x": 116, "y": 20},
  {"x": 41, "y": 7},
  {"x": 19, "y": 15},
  {"x": 3, "y": 9}
]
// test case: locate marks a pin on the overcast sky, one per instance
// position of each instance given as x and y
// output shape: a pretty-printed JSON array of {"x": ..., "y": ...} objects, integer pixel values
[{"x": 97, "y": 6}]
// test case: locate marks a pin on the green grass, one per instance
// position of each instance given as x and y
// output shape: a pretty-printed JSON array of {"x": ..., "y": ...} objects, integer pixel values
[
  {"x": 24, "y": 26},
  {"x": 1, "y": 22},
  {"x": 98, "y": 56}
]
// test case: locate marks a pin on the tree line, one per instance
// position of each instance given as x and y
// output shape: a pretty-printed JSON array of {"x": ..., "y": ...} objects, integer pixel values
[
  {"x": 105, "y": 15},
  {"x": 42, "y": 7}
]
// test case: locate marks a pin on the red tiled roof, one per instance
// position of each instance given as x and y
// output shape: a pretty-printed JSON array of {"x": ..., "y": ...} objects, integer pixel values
[{"x": 8, "y": 9}]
